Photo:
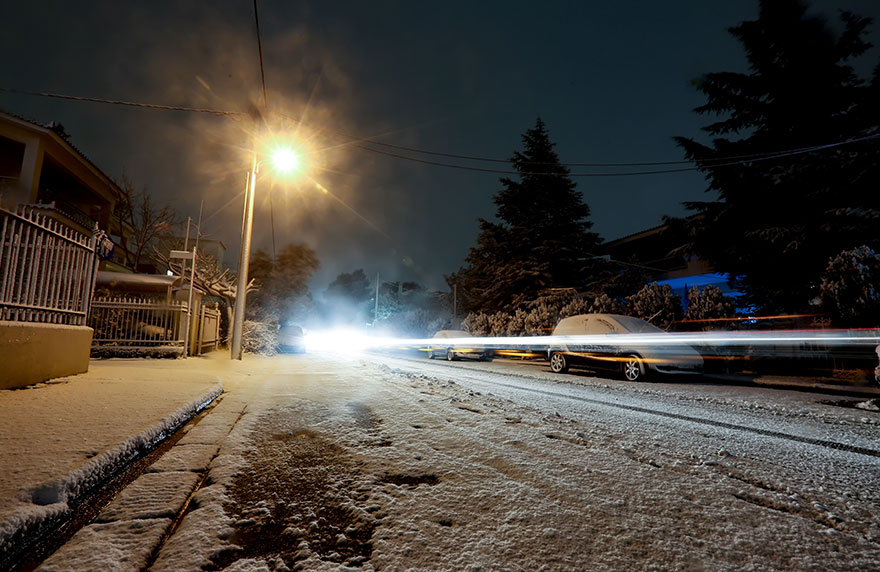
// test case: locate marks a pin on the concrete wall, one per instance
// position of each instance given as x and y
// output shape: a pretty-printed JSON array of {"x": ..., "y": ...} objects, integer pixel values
[{"x": 31, "y": 353}]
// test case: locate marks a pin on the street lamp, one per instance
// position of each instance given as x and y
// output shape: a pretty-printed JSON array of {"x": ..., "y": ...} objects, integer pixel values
[{"x": 285, "y": 160}]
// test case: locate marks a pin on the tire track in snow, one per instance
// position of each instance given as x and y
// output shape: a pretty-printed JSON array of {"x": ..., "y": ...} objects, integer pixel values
[{"x": 826, "y": 443}]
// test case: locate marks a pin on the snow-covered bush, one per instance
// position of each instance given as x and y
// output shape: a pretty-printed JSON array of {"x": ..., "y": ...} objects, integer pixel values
[
  {"x": 605, "y": 304},
  {"x": 574, "y": 307},
  {"x": 656, "y": 304},
  {"x": 850, "y": 287},
  {"x": 498, "y": 324},
  {"x": 709, "y": 304},
  {"x": 417, "y": 323},
  {"x": 541, "y": 318},
  {"x": 516, "y": 323},
  {"x": 476, "y": 323},
  {"x": 259, "y": 337},
  {"x": 441, "y": 323}
]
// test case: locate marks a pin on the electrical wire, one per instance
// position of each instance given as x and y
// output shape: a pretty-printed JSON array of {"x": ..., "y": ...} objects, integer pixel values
[
  {"x": 265, "y": 106},
  {"x": 779, "y": 155},
  {"x": 574, "y": 164},
  {"x": 364, "y": 144},
  {"x": 122, "y": 102},
  {"x": 768, "y": 154},
  {"x": 260, "y": 49}
]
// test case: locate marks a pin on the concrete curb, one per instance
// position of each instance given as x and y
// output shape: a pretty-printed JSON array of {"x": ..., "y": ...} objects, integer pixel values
[{"x": 129, "y": 532}]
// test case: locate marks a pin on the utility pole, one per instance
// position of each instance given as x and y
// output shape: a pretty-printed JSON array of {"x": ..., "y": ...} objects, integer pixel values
[
  {"x": 185, "y": 255},
  {"x": 189, "y": 300},
  {"x": 376, "y": 311},
  {"x": 454, "y": 303},
  {"x": 244, "y": 259}
]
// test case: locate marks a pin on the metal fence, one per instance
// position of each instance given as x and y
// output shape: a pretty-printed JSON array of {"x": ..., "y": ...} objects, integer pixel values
[
  {"x": 47, "y": 269},
  {"x": 128, "y": 323}
]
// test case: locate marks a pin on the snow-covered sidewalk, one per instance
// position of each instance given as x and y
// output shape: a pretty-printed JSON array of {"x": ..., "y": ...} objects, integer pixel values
[{"x": 58, "y": 439}]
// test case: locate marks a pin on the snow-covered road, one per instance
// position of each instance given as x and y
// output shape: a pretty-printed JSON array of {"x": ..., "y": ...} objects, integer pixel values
[{"x": 391, "y": 463}]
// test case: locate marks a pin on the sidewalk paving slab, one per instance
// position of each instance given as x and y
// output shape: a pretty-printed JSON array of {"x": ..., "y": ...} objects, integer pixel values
[
  {"x": 167, "y": 487},
  {"x": 60, "y": 439},
  {"x": 125, "y": 547}
]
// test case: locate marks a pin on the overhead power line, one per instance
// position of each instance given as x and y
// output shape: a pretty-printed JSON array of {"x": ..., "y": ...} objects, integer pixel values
[
  {"x": 568, "y": 164},
  {"x": 365, "y": 144},
  {"x": 768, "y": 154},
  {"x": 779, "y": 155},
  {"x": 122, "y": 102},
  {"x": 260, "y": 49}
]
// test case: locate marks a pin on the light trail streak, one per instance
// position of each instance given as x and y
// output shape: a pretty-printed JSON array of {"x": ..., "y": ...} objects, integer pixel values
[{"x": 346, "y": 341}]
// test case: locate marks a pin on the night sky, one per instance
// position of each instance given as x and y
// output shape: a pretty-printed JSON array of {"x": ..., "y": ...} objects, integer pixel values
[{"x": 611, "y": 80}]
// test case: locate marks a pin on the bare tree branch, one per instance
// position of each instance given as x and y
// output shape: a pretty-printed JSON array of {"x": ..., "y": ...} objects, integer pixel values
[{"x": 147, "y": 221}]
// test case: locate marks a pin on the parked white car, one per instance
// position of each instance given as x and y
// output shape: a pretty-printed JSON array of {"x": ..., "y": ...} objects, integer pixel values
[
  {"x": 632, "y": 360},
  {"x": 291, "y": 338},
  {"x": 451, "y": 351}
]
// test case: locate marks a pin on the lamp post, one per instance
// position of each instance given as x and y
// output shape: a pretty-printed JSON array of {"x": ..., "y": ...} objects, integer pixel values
[
  {"x": 285, "y": 160},
  {"x": 247, "y": 225}
]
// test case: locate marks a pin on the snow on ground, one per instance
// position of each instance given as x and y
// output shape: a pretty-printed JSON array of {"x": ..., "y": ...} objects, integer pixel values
[
  {"x": 361, "y": 465},
  {"x": 60, "y": 438}
]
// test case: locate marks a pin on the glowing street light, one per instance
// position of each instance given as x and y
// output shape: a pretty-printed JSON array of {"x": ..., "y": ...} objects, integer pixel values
[{"x": 285, "y": 160}]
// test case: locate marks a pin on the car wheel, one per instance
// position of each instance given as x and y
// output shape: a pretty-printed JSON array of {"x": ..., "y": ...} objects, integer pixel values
[
  {"x": 558, "y": 363},
  {"x": 450, "y": 355},
  {"x": 633, "y": 369}
]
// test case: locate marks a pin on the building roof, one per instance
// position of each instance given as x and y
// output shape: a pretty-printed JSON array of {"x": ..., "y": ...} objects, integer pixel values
[
  {"x": 62, "y": 142},
  {"x": 648, "y": 232},
  {"x": 134, "y": 280}
]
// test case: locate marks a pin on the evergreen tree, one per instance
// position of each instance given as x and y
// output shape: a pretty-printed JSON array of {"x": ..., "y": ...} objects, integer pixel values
[
  {"x": 282, "y": 291},
  {"x": 778, "y": 219},
  {"x": 350, "y": 299},
  {"x": 542, "y": 236},
  {"x": 850, "y": 288}
]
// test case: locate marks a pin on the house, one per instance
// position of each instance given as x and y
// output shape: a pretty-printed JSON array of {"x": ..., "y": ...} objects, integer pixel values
[
  {"x": 650, "y": 250},
  {"x": 52, "y": 201},
  {"x": 38, "y": 165}
]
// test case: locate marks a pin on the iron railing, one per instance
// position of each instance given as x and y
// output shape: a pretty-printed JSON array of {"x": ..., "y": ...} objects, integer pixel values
[
  {"x": 137, "y": 322},
  {"x": 47, "y": 269}
]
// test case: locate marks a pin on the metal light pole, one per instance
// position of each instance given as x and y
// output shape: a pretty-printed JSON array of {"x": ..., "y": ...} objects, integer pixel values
[{"x": 244, "y": 259}]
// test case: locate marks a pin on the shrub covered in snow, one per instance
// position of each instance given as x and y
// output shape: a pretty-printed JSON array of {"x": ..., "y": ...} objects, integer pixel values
[
  {"x": 850, "y": 287},
  {"x": 259, "y": 337},
  {"x": 417, "y": 322},
  {"x": 498, "y": 324},
  {"x": 516, "y": 323},
  {"x": 709, "y": 304},
  {"x": 656, "y": 304},
  {"x": 542, "y": 318},
  {"x": 476, "y": 323},
  {"x": 605, "y": 304},
  {"x": 159, "y": 352}
]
